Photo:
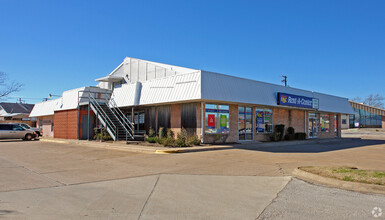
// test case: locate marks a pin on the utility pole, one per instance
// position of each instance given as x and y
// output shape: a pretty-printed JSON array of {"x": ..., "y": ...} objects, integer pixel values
[
  {"x": 20, "y": 101},
  {"x": 284, "y": 79}
]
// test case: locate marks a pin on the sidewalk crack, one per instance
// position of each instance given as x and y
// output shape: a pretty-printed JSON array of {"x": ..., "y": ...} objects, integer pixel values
[{"x": 148, "y": 198}]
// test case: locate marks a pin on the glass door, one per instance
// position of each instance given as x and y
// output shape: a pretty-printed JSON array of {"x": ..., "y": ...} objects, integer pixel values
[
  {"x": 313, "y": 125},
  {"x": 245, "y": 123}
]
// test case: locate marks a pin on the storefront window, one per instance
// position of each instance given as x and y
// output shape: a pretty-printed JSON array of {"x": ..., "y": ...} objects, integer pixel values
[
  {"x": 264, "y": 122},
  {"x": 325, "y": 123},
  {"x": 217, "y": 119}
]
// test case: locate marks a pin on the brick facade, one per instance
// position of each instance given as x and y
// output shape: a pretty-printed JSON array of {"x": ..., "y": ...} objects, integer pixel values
[{"x": 66, "y": 124}]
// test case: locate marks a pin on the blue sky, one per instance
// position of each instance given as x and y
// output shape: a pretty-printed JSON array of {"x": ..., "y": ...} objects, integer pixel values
[{"x": 335, "y": 47}]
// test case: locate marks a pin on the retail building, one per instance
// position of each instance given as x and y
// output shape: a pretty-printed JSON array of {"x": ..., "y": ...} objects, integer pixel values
[{"x": 139, "y": 95}]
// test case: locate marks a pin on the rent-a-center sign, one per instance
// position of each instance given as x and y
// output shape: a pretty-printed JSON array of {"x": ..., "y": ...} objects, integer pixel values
[{"x": 297, "y": 101}]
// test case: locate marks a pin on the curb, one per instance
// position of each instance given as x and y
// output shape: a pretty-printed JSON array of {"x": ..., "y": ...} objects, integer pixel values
[
  {"x": 168, "y": 151},
  {"x": 352, "y": 186},
  {"x": 53, "y": 141},
  {"x": 193, "y": 149},
  {"x": 105, "y": 146}
]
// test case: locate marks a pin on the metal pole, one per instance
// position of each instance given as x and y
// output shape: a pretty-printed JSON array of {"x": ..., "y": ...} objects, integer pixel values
[
  {"x": 202, "y": 122},
  {"x": 101, "y": 133},
  {"x": 88, "y": 120},
  {"x": 132, "y": 116}
]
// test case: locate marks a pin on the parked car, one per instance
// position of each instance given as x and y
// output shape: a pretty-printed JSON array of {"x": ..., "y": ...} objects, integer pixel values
[
  {"x": 26, "y": 126},
  {"x": 14, "y": 131}
]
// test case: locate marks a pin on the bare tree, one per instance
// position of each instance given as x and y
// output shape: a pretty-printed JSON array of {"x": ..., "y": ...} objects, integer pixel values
[
  {"x": 7, "y": 88},
  {"x": 375, "y": 100}
]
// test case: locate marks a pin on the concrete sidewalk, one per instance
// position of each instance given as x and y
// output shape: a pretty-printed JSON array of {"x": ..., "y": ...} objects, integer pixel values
[
  {"x": 144, "y": 148},
  {"x": 150, "y": 197}
]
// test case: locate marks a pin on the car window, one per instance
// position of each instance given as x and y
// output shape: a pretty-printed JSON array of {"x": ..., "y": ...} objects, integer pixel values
[
  {"x": 25, "y": 126},
  {"x": 5, "y": 127},
  {"x": 17, "y": 128}
]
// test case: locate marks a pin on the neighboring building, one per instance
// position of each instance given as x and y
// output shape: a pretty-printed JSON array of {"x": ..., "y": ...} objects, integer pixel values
[
  {"x": 365, "y": 116},
  {"x": 16, "y": 112},
  {"x": 139, "y": 95}
]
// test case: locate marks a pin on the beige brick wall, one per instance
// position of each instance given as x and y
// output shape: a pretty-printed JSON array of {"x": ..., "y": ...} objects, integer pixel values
[
  {"x": 233, "y": 136},
  {"x": 290, "y": 118},
  {"x": 199, "y": 122}
]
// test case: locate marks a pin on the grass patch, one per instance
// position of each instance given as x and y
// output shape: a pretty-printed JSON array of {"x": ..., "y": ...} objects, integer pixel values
[{"x": 351, "y": 174}]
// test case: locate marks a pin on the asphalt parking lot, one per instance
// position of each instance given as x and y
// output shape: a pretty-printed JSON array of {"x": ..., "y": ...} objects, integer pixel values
[{"x": 47, "y": 180}]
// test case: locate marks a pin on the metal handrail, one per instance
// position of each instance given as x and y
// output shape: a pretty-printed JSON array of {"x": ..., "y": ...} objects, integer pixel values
[
  {"x": 120, "y": 121},
  {"x": 104, "y": 115},
  {"x": 122, "y": 116}
]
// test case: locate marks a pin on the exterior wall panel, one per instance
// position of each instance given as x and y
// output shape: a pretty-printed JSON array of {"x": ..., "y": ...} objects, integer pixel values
[{"x": 66, "y": 124}]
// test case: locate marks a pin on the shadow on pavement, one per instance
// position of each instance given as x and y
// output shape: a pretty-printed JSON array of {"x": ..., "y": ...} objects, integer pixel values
[
  {"x": 16, "y": 140},
  {"x": 311, "y": 147}
]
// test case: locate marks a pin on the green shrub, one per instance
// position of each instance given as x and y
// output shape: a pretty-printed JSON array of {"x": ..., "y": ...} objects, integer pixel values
[
  {"x": 280, "y": 129},
  {"x": 151, "y": 132},
  {"x": 152, "y": 140},
  {"x": 168, "y": 142},
  {"x": 161, "y": 132},
  {"x": 275, "y": 136},
  {"x": 181, "y": 143},
  {"x": 289, "y": 137},
  {"x": 183, "y": 134},
  {"x": 106, "y": 136},
  {"x": 193, "y": 140},
  {"x": 170, "y": 133},
  {"x": 290, "y": 130},
  {"x": 300, "y": 136},
  {"x": 181, "y": 138}
]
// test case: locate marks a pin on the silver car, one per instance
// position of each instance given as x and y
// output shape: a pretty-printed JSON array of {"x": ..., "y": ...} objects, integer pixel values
[
  {"x": 13, "y": 131},
  {"x": 38, "y": 131}
]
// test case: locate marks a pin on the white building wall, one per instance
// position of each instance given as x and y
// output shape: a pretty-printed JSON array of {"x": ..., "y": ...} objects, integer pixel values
[{"x": 221, "y": 87}]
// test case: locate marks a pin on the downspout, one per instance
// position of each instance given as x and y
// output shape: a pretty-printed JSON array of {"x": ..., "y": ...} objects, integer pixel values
[
  {"x": 202, "y": 122},
  {"x": 78, "y": 118}
]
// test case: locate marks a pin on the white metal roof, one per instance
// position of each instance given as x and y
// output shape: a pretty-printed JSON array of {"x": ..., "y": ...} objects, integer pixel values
[
  {"x": 138, "y": 70},
  {"x": 68, "y": 100},
  {"x": 44, "y": 108},
  {"x": 170, "y": 89}
]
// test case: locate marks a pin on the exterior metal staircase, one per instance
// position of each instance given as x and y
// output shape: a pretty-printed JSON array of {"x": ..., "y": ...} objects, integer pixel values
[{"x": 112, "y": 118}]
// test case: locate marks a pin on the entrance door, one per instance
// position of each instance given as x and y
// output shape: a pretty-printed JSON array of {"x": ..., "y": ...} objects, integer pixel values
[
  {"x": 139, "y": 120},
  {"x": 313, "y": 125},
  {"x": 84, "y": 127},
  {"x": 245, "y": 123}
]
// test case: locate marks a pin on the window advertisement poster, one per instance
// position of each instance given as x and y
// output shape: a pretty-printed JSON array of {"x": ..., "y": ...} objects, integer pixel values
[
  {"x": 260, "y": 121},
  {"x": 223, "y": 121},
  {"x": 211, "y": 121}
]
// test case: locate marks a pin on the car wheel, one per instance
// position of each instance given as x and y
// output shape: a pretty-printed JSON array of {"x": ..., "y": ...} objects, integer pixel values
[
  {"x": 38, "y": 134},
  {"x": 28, "y": 137}
]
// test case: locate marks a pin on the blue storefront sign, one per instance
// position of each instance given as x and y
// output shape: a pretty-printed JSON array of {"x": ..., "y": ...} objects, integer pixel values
[{"x": 297, "y": 101}]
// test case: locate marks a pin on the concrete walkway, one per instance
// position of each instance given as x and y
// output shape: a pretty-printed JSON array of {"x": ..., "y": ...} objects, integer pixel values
[
  {"x": 300, "y": 200},
  {"x": 144, "y": 147},
  {"x": 150, "y": 197}
]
